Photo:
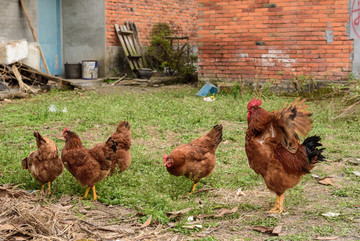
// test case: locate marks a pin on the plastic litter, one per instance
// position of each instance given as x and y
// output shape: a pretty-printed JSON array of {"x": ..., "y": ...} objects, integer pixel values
[
  {"x": 52, "y": 108},
  {"x": 315, "y": 176},
  {"x": 356, "y": 173},
  {"x": 330, "y": 214},
  {"x": 240, "y": 192},
  {"x": 207, "y": 89},
  {"x": 209, "y": 99}
]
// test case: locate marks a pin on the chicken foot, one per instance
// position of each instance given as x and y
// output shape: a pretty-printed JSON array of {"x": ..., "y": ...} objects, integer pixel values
[
  {"x": 49, "y": 190},
  {"x": 87, "y": 192},
  {"x": 193, "y": 189},
  {"x": 279, "y": 204}
]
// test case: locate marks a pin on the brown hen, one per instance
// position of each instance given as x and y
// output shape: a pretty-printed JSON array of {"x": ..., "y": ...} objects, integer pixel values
[
  {"x": 196, "y": 159},
  {"x": 122, "y": 138},
  {"x": 88, "y": 166},
  {"x": 44, "y": 164}
]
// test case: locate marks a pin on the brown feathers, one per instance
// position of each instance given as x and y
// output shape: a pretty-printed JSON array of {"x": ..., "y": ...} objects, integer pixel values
[
  {"x": 294, "y": 118},
  {"x": 44, "y": 163},
  {"x": 196, "y": 159},
  {"x": 273, "y": 147}
]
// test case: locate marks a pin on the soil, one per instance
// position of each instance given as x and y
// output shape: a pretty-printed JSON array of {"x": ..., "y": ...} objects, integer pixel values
[{"x": 33, "y": 216}]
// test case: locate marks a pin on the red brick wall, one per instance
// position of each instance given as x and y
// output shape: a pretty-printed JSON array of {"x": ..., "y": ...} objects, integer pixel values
[
  {"x": 293, "y": 33},
  {"x": 181, "y": 14}
]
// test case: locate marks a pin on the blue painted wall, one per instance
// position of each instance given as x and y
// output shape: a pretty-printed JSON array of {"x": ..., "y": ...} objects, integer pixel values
[{"x": 50, "y": 34}]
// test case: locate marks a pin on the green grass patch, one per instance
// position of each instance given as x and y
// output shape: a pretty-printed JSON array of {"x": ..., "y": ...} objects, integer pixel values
[{"x": 160, "y": 120}]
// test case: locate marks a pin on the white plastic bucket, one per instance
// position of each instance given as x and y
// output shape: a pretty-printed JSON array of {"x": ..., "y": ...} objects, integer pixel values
[{"x": 89, "y": 69}]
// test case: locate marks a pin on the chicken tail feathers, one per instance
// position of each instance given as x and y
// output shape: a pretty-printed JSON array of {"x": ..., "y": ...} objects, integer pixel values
[
  {"x": 216, "y": 133},
  {"x": 123, "y": 125},
  {"x": 295, "y": 118},
  {"x": 39, "y": 137},
  {"x": 24, "y": 163},
  {"x": 314, "y": 154}
]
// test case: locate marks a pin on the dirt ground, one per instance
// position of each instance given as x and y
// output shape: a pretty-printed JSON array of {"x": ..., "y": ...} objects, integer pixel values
[{"x": 26, "y": 215}]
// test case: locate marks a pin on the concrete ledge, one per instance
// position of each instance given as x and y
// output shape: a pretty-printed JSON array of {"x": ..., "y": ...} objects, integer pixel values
[{"x": 85, "y": 83}]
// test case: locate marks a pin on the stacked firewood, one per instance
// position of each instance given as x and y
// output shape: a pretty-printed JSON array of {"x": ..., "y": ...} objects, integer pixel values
[{"x": 18, "y": 80}]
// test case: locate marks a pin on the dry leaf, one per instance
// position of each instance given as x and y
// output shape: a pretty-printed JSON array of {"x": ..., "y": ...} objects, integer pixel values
[
  {"x": 327, "y": 238},
  {"x": 147, "y": 223},
  {"x": 277, "y": 230},
  {"x": 6, "y": 226},
  {"x": 353, "y": 161},
  {"x": 273, "y": 231},
  {"x": 225, "y": 211},
  {"x": 193, "y": 226},
  {"x": 326, "y": 181},
  {"x": 178, "y": 213},
  {"x": 262, "y": 229}
]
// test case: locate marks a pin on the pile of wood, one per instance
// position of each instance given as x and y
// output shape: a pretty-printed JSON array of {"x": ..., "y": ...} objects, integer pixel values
[{"x": 18, "y": 80}]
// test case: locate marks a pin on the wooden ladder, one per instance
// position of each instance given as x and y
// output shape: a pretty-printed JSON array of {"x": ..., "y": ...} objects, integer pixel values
[{"x": 129, "y": 38}]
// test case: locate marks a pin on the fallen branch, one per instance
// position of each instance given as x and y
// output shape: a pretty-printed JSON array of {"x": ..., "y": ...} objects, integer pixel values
[
  {"x": 61, "y": 81},
  {"x": 12, "y": 95},
  {"x": 23, "y": 87},
  {"x": 118, "y": 81}
]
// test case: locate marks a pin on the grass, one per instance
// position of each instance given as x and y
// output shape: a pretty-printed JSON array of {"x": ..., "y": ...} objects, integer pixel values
[{"x": 163, "y": 118}]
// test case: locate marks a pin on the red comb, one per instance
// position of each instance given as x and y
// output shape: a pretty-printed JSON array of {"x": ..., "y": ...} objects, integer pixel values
[
  {"x": 165, "y": 156},
  {"x": 66, "y": 129},
  {"x": 254, "y": 102}
]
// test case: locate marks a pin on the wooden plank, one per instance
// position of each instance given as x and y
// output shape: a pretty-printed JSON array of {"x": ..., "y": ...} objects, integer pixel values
[
  {"x": 63, "y": 82},
  {"x": 130, "y": 44},
  {"x": 122, "y": 32},
  {"x": 132, "y": 26},
  {"x": 35, "y": 36},
  {"x": 123, "y": 45},
  {"x": 135, "y": 56}
]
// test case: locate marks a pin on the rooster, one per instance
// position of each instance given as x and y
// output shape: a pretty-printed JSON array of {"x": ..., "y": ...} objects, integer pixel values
[
  {"x": 44, "y": 164},
  {"x": 88, "y": 166},
  {"x": 273, "y": 147},
  {"x": 196, "y": 159}
]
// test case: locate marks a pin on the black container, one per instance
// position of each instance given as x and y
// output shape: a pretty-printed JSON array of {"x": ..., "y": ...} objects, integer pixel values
[
  {"x": 73, "y": 71},
  {"x": 144, "y": 73}
]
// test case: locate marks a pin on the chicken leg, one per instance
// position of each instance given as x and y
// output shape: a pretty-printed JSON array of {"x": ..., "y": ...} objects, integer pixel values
[
  {"x": 86, "y": 193},
  {"x": 279, "y": 204},
  {"x": 49, "y": 190},
  {"x": 94, "y": 193},
  {"x": 193, "y": 189}
]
